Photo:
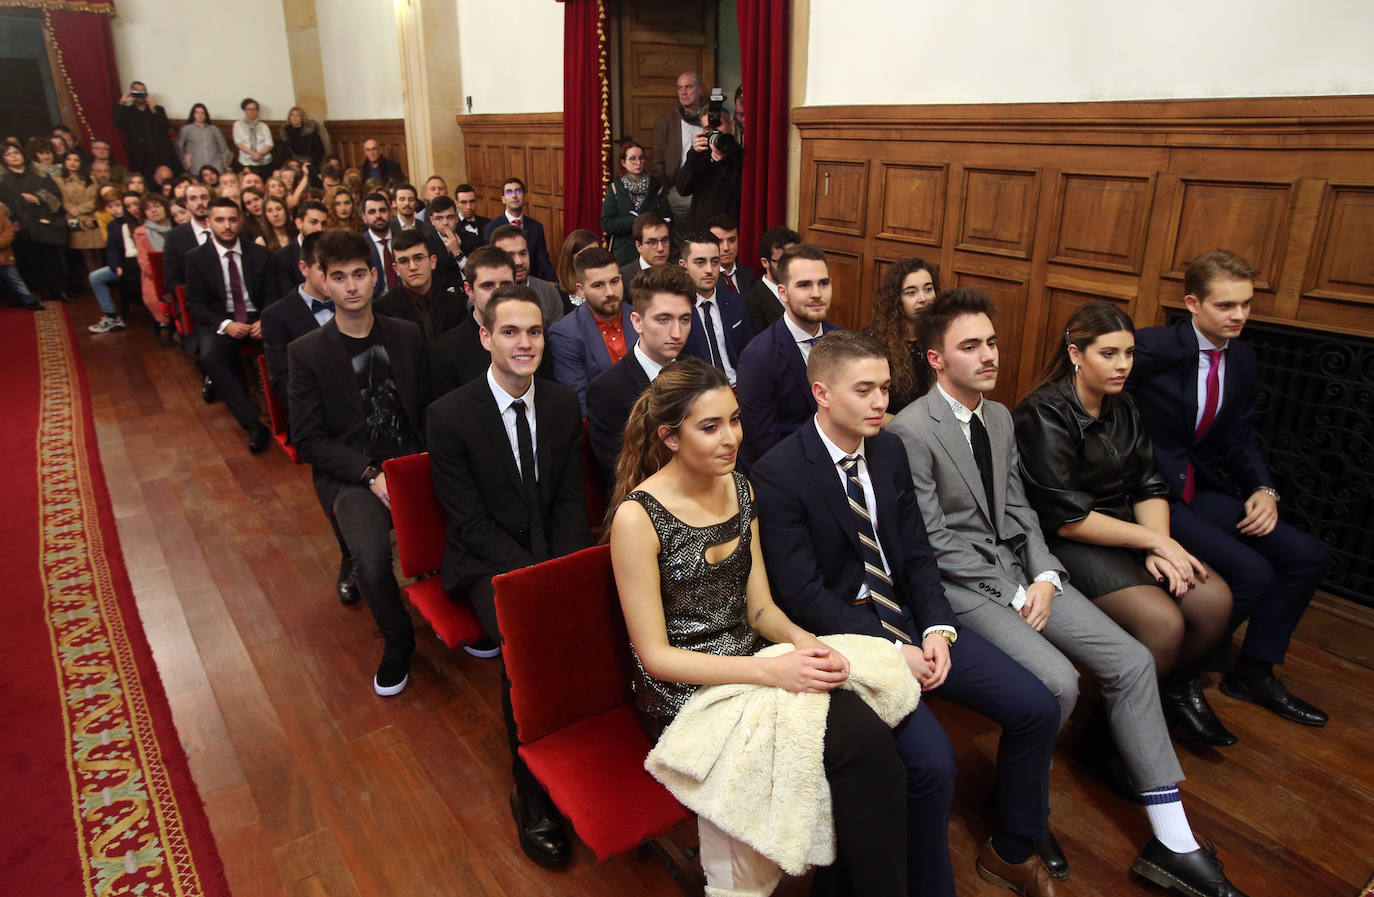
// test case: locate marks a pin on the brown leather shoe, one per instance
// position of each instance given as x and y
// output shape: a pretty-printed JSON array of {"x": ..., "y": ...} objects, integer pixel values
[{"x": 1029, "y": 879}]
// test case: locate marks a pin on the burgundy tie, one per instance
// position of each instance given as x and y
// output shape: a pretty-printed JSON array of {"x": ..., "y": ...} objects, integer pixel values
[
  {"x": 1209, "y": 414},
  {"x": 389, "y": 262},
  {"x": 236, "y": 290},
  {"x": 730, "y": 279}
]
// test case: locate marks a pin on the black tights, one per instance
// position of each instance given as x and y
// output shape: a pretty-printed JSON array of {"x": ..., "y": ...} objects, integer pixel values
[{"x": 1180, "y": 632}]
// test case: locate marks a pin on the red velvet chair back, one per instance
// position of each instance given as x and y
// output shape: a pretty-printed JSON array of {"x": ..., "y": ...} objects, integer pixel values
[
  {"x": 419, "y": 519},
  {"x": 183, "y": 317},
  {"x": 566, "y": 650},
  {"x": 276, "y": 414}
]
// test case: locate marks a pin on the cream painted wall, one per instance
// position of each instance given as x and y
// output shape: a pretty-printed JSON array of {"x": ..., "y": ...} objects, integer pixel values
[
  {"x": 361, "y": 57},
  {"x": 982, "y": 51},
  {"x": 512, "y": 55},
  {"x": 172, "y": 47}
]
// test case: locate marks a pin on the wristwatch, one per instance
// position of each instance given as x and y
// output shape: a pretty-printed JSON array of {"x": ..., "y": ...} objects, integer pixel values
[
  {"x": 948, "y": 635},
  {"x": 1269, "y": 491},
  {"x": 370, "y": 474}
]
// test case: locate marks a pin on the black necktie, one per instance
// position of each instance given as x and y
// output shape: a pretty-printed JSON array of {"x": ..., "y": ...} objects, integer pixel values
[
  {"x": 893, "y": 617},
  {"x": 529, "y": 476},
  {"x": 982, "y": 456},
  {"x": 711, "y": 335}
]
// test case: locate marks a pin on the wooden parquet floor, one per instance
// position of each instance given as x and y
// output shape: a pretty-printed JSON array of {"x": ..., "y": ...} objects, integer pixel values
[{"x": 315, "y": 786}]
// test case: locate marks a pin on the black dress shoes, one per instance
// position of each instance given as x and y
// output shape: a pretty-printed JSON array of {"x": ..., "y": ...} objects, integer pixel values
[
  {"x": 1197, "y": 873},
  {"x": 258, "y": 437},
  {"x": 1052, "y": 855},
  {"x": 1187, "y": 708},
  {"x": 541, "y": 831},
  {"x": 1270, "y": 693},
  {"x": 348, "y": 583},
  {"x": 207, "y": 390}
]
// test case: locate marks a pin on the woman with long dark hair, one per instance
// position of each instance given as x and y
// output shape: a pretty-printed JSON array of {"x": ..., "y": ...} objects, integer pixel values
[
  {"x": 684, "y": 545},
  {"x": 1089, "y": 471},
  {"x": 628, "y": 196},
  {"x": 906, "y": 288},
  {"x": 278, "y": 227},
  {"x": 35, "y": 204},
  {"x": 79, "y": 197},
  {"x": 343, "y": 210},
  {"x": 200, "y": 143},
  {"x": 573, "y": 243}
]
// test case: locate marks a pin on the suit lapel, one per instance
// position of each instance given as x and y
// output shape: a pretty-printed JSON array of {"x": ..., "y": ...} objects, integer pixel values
[
  {"x": 545, "y": 426},
  {"x": 343, "y": 366},
  {"x": 490, "y": 422},
  {"x": 591, "y": 335},
  {"x": 826, "y": 477},
  {"x": 950, "y": 434},
  {"x": 1187, "y": 385},
  {"x": 791, "y": 355}
]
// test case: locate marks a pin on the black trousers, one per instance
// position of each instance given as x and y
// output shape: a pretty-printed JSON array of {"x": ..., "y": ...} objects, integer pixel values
[
  {"x": 366, "y": 527},
  {"x": 221, "y": 361},
  {"x": 44, "y": 266}
]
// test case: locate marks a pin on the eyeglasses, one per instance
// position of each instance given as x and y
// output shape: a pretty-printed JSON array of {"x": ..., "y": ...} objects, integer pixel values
[{"x": 661, "y": 241}]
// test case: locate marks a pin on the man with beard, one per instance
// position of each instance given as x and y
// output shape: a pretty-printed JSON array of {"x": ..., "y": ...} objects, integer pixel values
[
  {"x": 377, "y": 219},
  {"x": 515, "y": 243},
  {"x": 598, "y": 333},
  {"x": 674, "y": 132}
]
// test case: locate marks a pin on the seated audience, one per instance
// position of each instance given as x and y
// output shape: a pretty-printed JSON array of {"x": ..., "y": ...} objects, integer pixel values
[
  {"x": 762, "y": 299},
  {"x": 513, "y": 198},
  {"x": 100, "y": 152},
  {"x": 180, "y": 214},
  {"x": 711, "y": 175},
  {"x": 1090, "y": 473},
  {"x": 652, "y": 245},
  {"x": 185, "y": 237},
  {"x": 1003, "y": 583},
  {"x": 846, "y": 552},
  {"x": 908, "y": 285},
  {"x": 331, "y": 176},
  {"x": 632, "y": 194},
  {"x": 573, "y": 243},
  {"x": 136, "y": 183},
  {"x": 278, "y": 228},
  {"x": 377, "y": 165},
  {"x": 442, "y": 215},
  {"x": 424, "y": 297},
  {"x": 774, "y": 392},
  {"x": 45, "y": 159},
  {"x": 251, "y": 204},
  {"x": 721, "y": 329},
  {"x": 458, "y": 356},
  {"x": 377, "y": 221},
  {"x": 662, "y": 319},
  {"x": 404, "y": 205},
  {"x": 358, "y": 394},
  {"x": 343, "y": 210},
  {"x": 200, "y": 143},
  {"x": 150, "y": 237},
  {"x": 100, "y": 173},
  {"x": 598, "y": 332},
  {"x": 302, "y": 309},
  {"x": 209, "y": 176},
  {"x": 253, "y": 139},
  {"x": 300, "y": 139},
  {"x": 735, "y": 276},
  {"x": 1194, "y": 384},
  {"x": 697, "y": 606},
  {"x": 310, "y": 217},
  {"x": 470, "y": 227},
  {"x": 250, "y": 179},
  {"x": 35, "y": 203},
  {"x": 506, "y": 455},
  {"x": 121, "y": 263},
  {"x": 229, "y": 281},
  {"x": 514, "y": 242}
]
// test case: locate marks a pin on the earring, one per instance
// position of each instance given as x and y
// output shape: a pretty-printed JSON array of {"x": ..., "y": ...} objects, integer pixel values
[{"x": 1075, "y": 368}]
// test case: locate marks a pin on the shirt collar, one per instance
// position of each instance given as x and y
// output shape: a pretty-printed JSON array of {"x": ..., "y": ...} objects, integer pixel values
[
  {"x": 700, "y": 298},
  {"x": 730, "y": 273},
  {"x": 643, "y": 265},
  {"x": 505, "y": 399},
  {"x": 511, "y": 220},
  {"x": 961, "y": 411},
  {"x": 378, "y": 239},
  {"x": 801, "y": 336},
  {"x": 836, "y": 453},
  {"x": 306, "y": 296},
  {"x": 222, "y": 249},
  {"x": 651, "y": 367},
  {"x": 1203, "y": 343}
]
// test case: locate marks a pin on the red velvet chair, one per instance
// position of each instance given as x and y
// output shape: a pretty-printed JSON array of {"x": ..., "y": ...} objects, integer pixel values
[
  {"x": 568, "y": 660},
  {"x": 160, "y": 287},
  {"x": 276, "y": 414},
  {"x": 181, "y": 318},
  {"x": 420, "y": 523}
]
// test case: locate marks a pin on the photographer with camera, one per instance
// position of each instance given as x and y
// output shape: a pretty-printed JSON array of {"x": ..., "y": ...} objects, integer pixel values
[
  {"x": 714, "y": 167},
  {"x": 147, "y": 133}
]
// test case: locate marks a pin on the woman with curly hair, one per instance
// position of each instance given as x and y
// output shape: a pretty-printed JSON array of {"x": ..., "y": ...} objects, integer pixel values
[
  {"x": 906, "y": 288},
  {"x": 343, "y": 210}
]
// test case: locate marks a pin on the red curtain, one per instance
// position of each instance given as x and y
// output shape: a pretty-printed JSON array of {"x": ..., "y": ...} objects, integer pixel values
[
  {"x": 85, "y": 53},
  {"x": 765, "y": 38},
  {"x": 586, "y": 114}
]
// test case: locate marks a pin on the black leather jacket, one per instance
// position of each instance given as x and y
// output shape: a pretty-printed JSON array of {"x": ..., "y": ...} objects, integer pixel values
[{"x": 1073, "y": 463}]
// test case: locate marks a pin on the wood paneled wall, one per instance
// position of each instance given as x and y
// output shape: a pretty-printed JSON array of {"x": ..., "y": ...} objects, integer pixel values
[
  {"x": 1048, "y": 206},
  {"x": 346, "y": 137},
  {"x": 528, "y": 146}
]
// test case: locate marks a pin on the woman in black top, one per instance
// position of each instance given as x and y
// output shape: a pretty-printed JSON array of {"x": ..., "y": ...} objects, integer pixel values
[
  {"x": 1089, "y": 470},
  {"x": 906, "y": 288},
  {"x": 35, "y": 204}
]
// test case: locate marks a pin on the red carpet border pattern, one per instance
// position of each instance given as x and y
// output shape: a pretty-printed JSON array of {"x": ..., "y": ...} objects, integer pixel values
[{"x": 129, "y": 830}]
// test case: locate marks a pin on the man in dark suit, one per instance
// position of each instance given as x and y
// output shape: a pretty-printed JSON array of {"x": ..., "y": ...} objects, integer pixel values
[
  {"x": 457, "y": 222},
  {"x": 662, "y": 316},
  {"x": 450, "y": 243},
  {"x": 185, "y": 237},
  {"x": 1194, "y": 384},
  {"x": 358, "y": 394},
  {"x": 512, "y": 240},
  {"x": 846, "y": 552},
  {"x": 721, "y": 328},
  {"x": 513, "y": 197},
  {"x": 652, "y": 243},
  {"x": 147, "y": 133},
  {"x": 762, "y": 299},
  {"x": 424, "y": 298},
  {"x": 734, "y": 275},
  {"x": 513, "y": 493},
  {"x": 376, "y": 165},
  {"x": 377, "y": 224},
  {"x": 774, "y": 392},
  {"x": 229, "y": 281},
  {"x": 470, "y": 226},
  {"x": 598, "y": 333},
  {"x": 310, "y": 219},
  {"x": 458, "y": 356}
]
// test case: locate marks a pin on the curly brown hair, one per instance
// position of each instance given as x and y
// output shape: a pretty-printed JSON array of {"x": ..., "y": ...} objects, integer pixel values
[{"x": 889, "y": 324}]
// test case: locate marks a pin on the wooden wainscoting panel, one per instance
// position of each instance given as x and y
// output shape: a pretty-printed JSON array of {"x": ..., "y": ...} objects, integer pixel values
[
  {"x": 846, "y": 278},
  {"x": 911, "y": 207},
  {"x": 1062, "y": 304},
  {"x": 997, "y": 211},
  {"x": 346, "y": 138},
  {"x": 1009, "y": 295},
  {"x": 1344, "y": 269},
  {"x": 840, "y": 191},
  {"x": 1244, "y": 217},
  {"x": 527, "y": 146},
  {"x": 1101, "y": 221}
]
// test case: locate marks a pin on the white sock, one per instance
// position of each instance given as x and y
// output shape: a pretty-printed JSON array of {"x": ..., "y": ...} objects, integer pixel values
[{"x": 1165, "y": 809}]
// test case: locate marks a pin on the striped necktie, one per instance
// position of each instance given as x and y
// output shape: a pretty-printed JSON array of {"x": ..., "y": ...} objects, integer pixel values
[{"x": 892, "y": 615}]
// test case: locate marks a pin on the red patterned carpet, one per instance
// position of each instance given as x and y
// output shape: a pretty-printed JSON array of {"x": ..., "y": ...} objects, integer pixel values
[{"x": 100, "y": 800}]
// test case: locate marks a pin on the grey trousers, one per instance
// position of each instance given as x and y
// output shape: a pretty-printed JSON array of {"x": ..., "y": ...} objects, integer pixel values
[{"x": 1079, "y": 633}]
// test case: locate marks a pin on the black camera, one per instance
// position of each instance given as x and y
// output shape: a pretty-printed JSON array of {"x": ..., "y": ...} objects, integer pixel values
[
  {"x": 723, "y": 143},
  {"x": 138, "y": 94}
]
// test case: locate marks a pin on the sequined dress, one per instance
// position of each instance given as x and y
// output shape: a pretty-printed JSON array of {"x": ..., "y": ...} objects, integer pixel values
[{"x": 703, "y": 603}]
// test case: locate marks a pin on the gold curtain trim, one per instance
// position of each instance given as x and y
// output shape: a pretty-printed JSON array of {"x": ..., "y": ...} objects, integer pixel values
[
  {"x": 603, "y": 77},
  {"x": 69, "y": 104},
  {"x": 101, "y": 7}
]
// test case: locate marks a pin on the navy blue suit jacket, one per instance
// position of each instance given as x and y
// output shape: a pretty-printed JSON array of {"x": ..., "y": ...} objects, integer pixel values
[
  {"x": 811, "y": 544},
  {"x": 1163, "y": 383},
  {"x": 735, "y": 319},
  {"x": 579, "y": 352},
  {"x": 744, "y": 278},
  {"x": 379, "y": 289},
  {"x": 540, "y": 265},
  {"x": 774, "y": 393}
]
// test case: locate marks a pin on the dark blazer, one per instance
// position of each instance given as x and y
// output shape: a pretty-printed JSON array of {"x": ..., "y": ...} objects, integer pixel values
[
  {"x": 288, "y": 260},
  {"x": 540, "y": 265},
  {"x": 448, "y": 299},
  {"x": 764, "y": 308},
  {"x": 457, "y": 357},
  {"x": 735, "y": 321},
  {"x": 1163, "y": 383},
  {"x": 473, "y": 234},
  {"x": 628, "y": 272},
  {"x": 387, "y": 170},
  {"x": 378, "y": 288},
  {"x": 205, "y": 287},
  {"x": 479, "y": 485},
  {"x": 774, "y": 394},
  {"x": 667, "y": 151},
  {"x": 744, "y": 279},
  {"x": 114, "y": 243},
  {"x": 445, "y": 264},
  {"x": 715, "y": 187},
  {"x": 579, "y": 353},
  {"x": 618, "y": 216},
  {"x": 609, "y": 400},
  {"x": 328, "y": 421},
  {"x": 811, "y": 546},
  {"x": 282, "y": 322},
  {"x": 180, "y": 240}
]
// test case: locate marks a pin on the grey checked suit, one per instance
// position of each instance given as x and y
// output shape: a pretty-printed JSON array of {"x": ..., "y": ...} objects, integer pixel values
[{"x": 986, "y": 553}]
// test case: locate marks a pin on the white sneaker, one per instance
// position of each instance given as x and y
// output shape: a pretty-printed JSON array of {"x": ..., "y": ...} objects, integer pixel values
[{"x": 106, "y": 324}]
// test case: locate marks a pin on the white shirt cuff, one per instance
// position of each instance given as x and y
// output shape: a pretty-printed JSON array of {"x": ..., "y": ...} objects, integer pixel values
[
  {"x": 930, "y": 629},
  {"x": 224, "y": 325},
  {"x": 1052, "y": 577},
  {"x": 1019, "y": 600}
]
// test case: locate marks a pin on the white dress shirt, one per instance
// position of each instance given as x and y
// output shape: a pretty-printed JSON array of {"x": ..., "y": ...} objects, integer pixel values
[
  {"x": 202, "y": 234},
  {"x": 651, "y": 367},
  {"x": 717, "y": 323},
  {"x": 1204, "y": 366},
  {"x": 504, "y": 400},
  {"x": 224, "y": 251},
  {"x": 804, "y": 339},
  {"x": 256, "y": 136},
  {"x": 837, "y": 456},
  {"x": 689, "y": 133},
  {"x": 324, "y": 315}
]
